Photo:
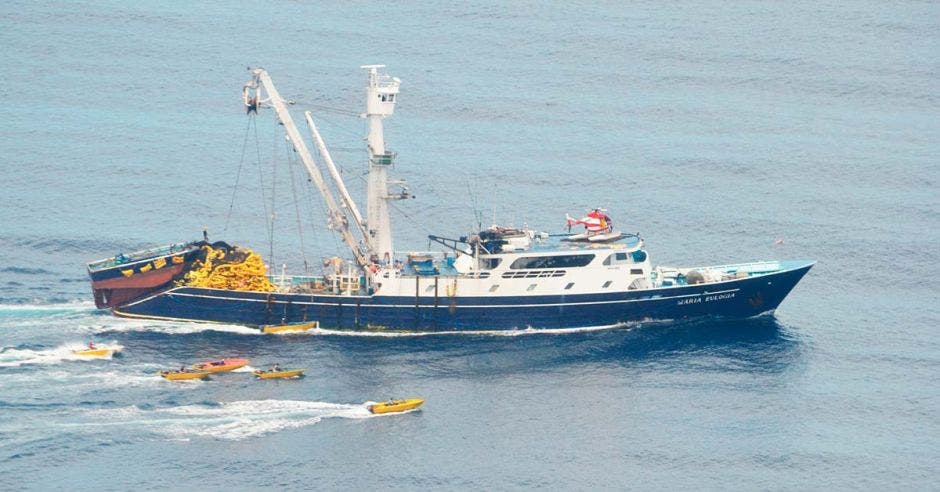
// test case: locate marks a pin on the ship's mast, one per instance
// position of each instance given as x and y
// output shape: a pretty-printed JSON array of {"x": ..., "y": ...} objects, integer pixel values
[
  {"x": 381, "y": 95},
  {"x": 337, "y": 220}
]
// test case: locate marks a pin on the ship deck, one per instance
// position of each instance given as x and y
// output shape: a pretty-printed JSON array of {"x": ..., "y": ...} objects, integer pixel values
[{"x": 556, "y": 242}]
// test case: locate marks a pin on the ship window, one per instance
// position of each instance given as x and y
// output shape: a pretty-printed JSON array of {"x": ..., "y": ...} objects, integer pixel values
[
  {"x": 429, "y": 289},
  {"x": 493, "y": 288},
  {"x": 490, "y": 263},
  {"x": 542, "y": 274},
  {"x": 636, "y": 271},
  {"x": 560, "y": 261},
  {"x": 569, "y": 286},
  {"x": 607, "y": 284},
  {"x": 616, "y": 257},
  {"x": 531, "y": 288}
]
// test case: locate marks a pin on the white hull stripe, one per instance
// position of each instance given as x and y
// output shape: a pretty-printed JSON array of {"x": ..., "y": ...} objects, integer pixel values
[{"x": 444, "y": 305}]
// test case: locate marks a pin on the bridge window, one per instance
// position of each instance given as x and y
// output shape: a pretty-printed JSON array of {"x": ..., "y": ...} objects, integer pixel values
[
  {"x": 560, "y": 261},
  {"x": 616, "y": 258},
  {"x": 490, "y": 263}
]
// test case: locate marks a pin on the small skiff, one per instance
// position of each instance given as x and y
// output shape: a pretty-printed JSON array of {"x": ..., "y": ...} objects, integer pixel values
[
  {"x": 290, "y": 328},
  {"x": 283, "y": 374},
  {"x": 95, "y": 352},
  {"x": 181, "y": 376},
  {"x": 393, "y": 406},
  {"x": 220, "y": 365}
]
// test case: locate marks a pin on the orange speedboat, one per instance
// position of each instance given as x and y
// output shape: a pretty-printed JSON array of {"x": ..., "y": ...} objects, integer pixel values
[{"x": 220, "y": 365}]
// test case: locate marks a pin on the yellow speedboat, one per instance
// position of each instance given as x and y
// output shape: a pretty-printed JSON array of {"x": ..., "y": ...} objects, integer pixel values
[
  {"x": 290, "y": 328},
  {"x": 181, "y": 376},
  {"x": 282, "y": 374},
  {"x": 393, "y": 406},
  {"x": 95, "y": 352}
]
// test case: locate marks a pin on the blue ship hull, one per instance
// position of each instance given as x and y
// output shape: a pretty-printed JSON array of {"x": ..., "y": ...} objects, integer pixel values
[{"x": 739, "y": 298}]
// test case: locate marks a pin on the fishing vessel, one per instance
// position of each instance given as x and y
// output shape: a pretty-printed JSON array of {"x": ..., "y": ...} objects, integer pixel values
[{"x": 497, "y": 278}]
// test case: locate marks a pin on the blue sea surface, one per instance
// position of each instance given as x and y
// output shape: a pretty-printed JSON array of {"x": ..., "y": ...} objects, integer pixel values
[{"x": 722, "y": 131}]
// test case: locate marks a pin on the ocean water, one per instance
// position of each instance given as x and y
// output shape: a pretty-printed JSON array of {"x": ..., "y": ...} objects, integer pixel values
[{"x": 715, "y": 129}]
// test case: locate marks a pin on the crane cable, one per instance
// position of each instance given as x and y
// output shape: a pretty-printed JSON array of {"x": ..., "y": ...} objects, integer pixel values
[
  {"x": 238, "y": 173},
  {"x": 300, "y": 228}
]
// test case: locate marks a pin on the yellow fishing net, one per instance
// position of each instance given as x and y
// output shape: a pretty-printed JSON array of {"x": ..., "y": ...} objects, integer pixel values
[{"x": 238, "y": 269}]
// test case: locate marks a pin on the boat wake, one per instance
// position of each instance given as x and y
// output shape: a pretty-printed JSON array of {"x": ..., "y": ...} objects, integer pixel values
[
  {"x": 58, "y": 384},
  {"x": 229, "y": 421},
  {"x": 187, "y": 328},
  {"x": 45, "y": 309},
  {"x": 14, "y": 357},
  {"x": 118, "y": 325},
  {"x": 495, "y": 333}
]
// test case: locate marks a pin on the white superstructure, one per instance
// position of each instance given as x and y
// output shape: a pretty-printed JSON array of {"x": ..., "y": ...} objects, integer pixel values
[{"x": 499, "y": 261}]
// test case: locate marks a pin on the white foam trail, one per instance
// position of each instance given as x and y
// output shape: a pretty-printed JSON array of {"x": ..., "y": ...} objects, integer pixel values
[
  {"x": 496, "y": 333},
  {"x": 231, "y": 421},
  {"x": 73, "y": 306},
  {"x": 167, "y": 327},
  {"x": 113, "y": 379},
  {"x": 182, "y": 328},
  {"x": 59, "y": 382},
  {"x": 13, "y": 357}
]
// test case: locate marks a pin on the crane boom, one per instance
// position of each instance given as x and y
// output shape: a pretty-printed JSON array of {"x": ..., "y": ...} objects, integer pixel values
[
  {"x": 338, "y": 220},
  {"x": 337, "y": 179}
]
